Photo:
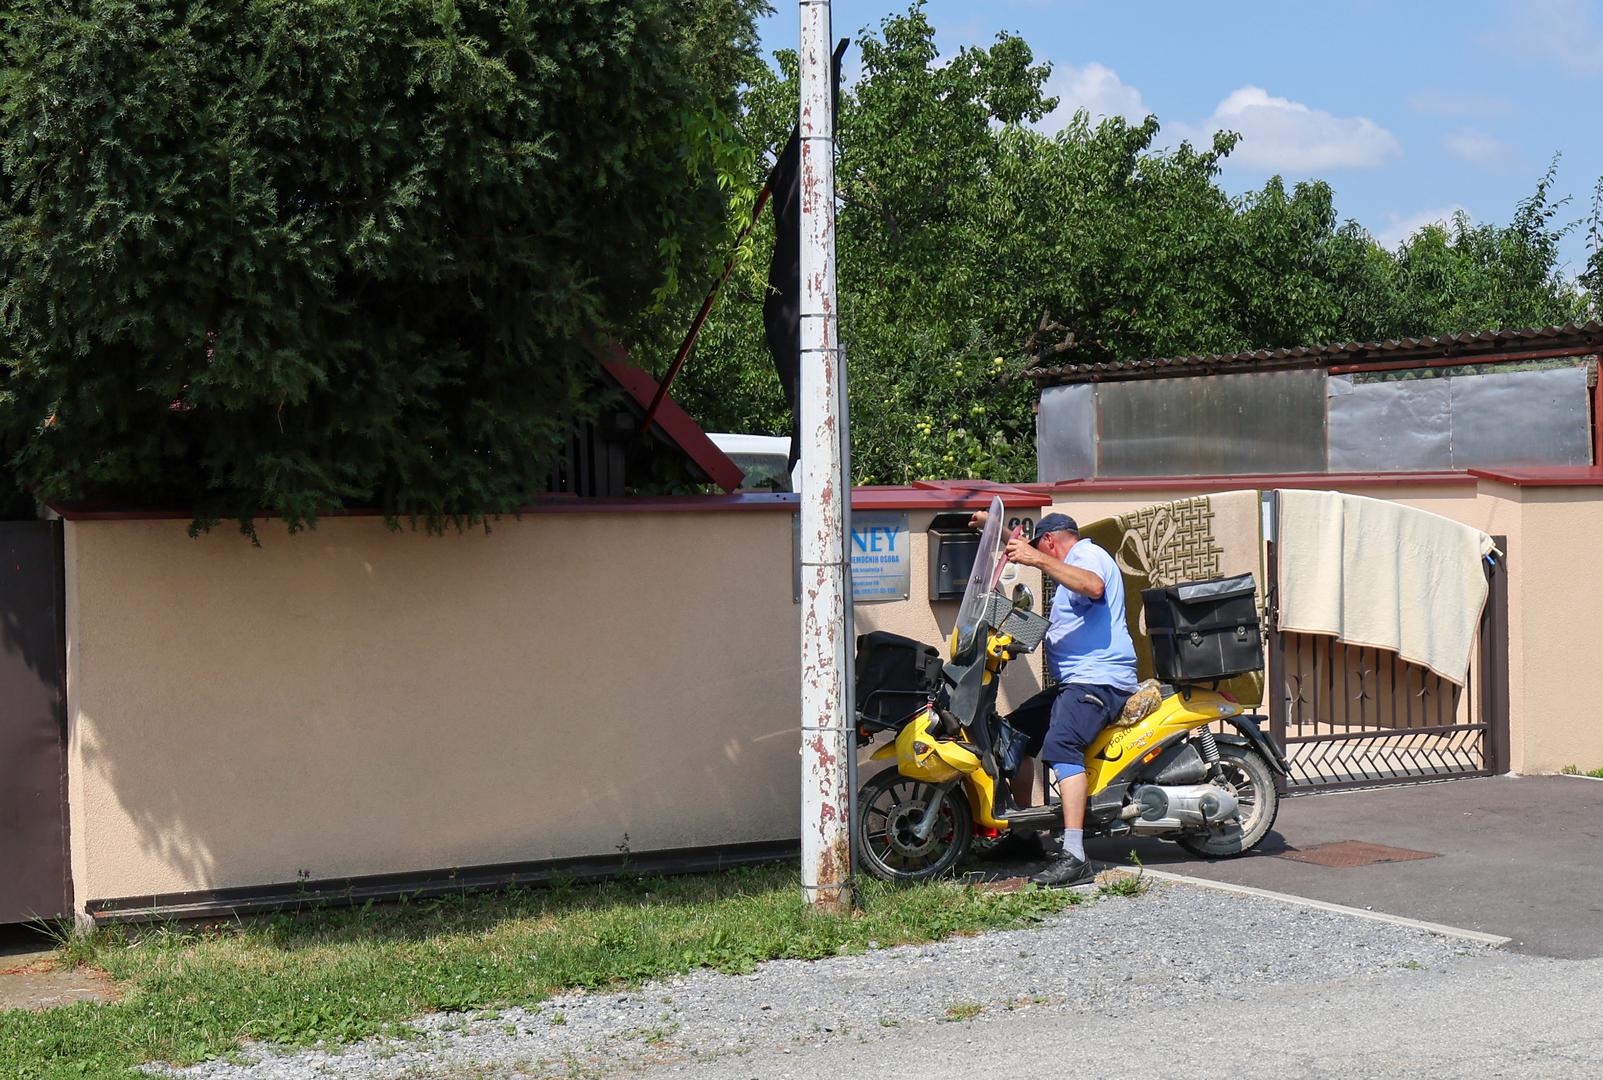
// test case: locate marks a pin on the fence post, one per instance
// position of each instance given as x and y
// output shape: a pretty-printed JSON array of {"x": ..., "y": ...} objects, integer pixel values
[
  {"x": 1274, "y": 682},
  {"x": 1494, "y": 662}
]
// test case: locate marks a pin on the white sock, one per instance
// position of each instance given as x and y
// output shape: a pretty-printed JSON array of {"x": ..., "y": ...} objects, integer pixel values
[{"x": 1074, "y": 843}]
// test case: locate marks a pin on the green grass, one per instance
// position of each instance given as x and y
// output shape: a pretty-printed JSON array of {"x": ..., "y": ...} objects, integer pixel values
[
  {"x": 194, "y": 993},
  {"x": 1575, "y": 771}
]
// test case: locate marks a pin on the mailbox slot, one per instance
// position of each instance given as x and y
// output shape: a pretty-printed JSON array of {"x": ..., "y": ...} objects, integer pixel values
[{"x": 953, "y": 546}]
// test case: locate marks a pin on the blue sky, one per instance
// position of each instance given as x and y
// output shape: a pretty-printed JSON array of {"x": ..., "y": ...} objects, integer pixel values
[{"x": 1409, "y": 109}]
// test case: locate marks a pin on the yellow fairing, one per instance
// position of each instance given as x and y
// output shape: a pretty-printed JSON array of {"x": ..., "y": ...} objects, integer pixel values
[
  {"x": 921, "y": 756},
  {"x": 1119, "y": 748}
]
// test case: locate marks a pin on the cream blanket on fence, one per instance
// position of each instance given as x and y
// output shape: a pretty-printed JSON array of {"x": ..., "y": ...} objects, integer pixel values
[{"x": 1377, "y": 574}]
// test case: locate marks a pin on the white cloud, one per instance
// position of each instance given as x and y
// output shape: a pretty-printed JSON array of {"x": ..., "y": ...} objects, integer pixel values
[
  {"x": 1479, "y": 148},
  {"x": 1401, "y": 228},
  {"x": 1280, "y": 134},
  {"x": 1459, "y": 106},
  {"x": 1568, "y": 33},
  {"x": 1094, "y": 88}
]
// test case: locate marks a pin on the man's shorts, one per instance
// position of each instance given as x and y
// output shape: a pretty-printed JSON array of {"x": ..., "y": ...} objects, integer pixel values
[{"x": 1060, "y": 722}]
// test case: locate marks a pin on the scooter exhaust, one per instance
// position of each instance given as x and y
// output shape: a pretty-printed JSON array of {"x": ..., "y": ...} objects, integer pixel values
[{"x": 1156, "y": 807}]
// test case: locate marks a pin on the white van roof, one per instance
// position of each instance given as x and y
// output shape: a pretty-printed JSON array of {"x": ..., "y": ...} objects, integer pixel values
[{"x": 731, "y": 443}]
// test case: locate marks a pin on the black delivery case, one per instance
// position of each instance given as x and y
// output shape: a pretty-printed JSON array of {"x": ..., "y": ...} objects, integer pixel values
[
  {"x": 896, "y": 676},
  {"x": 1204, "y": 630}
]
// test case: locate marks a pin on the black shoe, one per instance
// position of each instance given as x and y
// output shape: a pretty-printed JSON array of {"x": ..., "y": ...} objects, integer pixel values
[
  {"x": 1063, "y": 871},
  {"x": 1012, "y": 847}
]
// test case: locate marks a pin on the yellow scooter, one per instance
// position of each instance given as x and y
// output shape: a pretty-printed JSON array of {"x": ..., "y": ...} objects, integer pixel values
[{"x": 1161, "y": 770}]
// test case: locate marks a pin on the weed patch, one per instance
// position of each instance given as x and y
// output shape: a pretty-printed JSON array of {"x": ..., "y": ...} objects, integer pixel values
[{"x": 1125, "y": 885}]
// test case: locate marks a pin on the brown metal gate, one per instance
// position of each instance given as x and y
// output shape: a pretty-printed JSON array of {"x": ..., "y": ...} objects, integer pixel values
[
  {"x": 1359, "y": 717},
  {"x": 34, "y": 876}
]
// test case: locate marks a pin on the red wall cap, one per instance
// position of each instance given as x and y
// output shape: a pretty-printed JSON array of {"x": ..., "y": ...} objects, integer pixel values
[
  {"x": 944, "y": 495},
  {"x": 1545, "y": 476},
  {"x": 1319, "y": 481}
]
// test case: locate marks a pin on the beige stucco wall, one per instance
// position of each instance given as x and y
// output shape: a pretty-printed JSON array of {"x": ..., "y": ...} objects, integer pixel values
[
  {"x": 355, "y": 701},
  {"x": 1555, "y": 584}
]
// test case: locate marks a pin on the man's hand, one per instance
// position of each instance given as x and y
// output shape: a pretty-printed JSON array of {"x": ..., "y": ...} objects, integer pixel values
[
  {"x": 977, "y": 521},
  {"x": 1021, "y": 551}
]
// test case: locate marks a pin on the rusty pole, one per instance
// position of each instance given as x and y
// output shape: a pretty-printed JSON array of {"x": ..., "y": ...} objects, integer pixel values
[{"x": 825, "y": 712}]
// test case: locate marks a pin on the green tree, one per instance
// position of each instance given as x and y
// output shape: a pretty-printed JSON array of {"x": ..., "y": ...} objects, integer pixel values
[
  {"x": 290, "y": 255},
  {"x": 1591, "y": 277},
  {"x": 971, "y": 245},
  {"x": 1465, "y": 277}
]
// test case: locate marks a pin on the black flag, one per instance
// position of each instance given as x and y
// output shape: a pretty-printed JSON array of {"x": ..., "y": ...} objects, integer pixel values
[{"x": 782, "y": 308}]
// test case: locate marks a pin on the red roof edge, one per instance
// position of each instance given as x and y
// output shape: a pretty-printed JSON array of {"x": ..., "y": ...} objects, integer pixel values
[{"x": 674, "y": 423}]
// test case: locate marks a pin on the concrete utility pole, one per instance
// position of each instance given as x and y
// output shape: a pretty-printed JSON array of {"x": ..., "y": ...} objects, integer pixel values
[{"x": 825, "y": 647}]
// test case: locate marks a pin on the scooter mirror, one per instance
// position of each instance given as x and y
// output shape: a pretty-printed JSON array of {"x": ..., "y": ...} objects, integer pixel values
[{"x": 1023, "y": 598}]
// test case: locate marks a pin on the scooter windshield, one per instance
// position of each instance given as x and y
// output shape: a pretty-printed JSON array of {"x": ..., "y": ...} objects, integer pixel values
[{"x": 981, "y": 580}]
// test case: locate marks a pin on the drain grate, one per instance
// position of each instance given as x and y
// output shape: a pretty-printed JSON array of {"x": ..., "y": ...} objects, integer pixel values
[{"x": 1345, "y": 854}]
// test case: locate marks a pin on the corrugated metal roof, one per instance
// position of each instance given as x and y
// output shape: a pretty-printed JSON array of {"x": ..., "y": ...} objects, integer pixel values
[{"x": 1580, "y": 336}]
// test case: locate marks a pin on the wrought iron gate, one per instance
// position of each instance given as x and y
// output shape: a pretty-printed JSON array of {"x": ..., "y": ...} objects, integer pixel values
[{"x": 1359, "y": 717}]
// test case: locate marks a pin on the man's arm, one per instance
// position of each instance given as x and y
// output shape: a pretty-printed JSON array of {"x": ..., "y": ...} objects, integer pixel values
[{"x": 1073, "y": 578}]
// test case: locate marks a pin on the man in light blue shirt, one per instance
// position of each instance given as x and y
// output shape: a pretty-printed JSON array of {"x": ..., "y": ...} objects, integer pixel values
[{"x": 1089, "y": 653}]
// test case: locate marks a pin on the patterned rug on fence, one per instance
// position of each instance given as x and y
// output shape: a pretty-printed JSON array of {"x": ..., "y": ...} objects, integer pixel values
[{"x": 1209, "y": 536}]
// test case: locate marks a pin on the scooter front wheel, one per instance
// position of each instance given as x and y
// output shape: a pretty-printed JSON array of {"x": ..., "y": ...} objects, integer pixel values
[{"x": 891, "y": 808}]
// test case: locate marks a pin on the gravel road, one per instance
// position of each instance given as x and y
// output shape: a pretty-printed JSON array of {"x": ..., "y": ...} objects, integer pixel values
[{"x": 1178, "y": 955}]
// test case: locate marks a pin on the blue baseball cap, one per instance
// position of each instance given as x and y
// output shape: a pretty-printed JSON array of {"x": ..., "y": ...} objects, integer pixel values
[{"x": 1052, "y": 523}]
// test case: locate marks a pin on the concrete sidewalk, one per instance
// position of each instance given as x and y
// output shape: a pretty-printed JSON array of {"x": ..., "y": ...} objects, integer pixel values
[
  {"x": 1516, "y": 856},
  {"x": 30, "y": 979}
]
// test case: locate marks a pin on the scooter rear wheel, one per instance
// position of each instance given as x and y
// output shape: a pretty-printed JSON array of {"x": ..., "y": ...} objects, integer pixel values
[
  {"x": 889, "y": 807},
  {"x": 1249, "y": 778}
]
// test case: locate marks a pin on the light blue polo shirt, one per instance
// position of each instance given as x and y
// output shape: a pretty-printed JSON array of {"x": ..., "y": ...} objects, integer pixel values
[{"x": 1088, "y": 640}]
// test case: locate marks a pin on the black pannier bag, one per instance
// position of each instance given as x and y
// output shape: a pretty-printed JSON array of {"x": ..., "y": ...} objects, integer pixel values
[
  {"x": 895, "y": 677},
  {"x": 1204, "y": 630}
]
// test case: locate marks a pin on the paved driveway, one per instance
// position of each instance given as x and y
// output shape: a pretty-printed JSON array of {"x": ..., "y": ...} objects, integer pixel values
[{"x": 1517, "y": 856}]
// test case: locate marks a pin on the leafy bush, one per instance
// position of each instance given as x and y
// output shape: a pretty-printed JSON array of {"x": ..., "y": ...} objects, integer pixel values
[{"x": 289, "y": 255}]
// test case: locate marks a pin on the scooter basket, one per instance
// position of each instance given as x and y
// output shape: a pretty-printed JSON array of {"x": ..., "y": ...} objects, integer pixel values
[{"x": 896, "y": 676}]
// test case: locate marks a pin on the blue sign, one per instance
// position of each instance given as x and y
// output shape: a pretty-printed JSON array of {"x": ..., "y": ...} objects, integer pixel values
[{"x": 881, "y": 559}]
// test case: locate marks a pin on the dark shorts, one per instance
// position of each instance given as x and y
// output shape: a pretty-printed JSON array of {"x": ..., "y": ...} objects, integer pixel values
[{"x": 1060, "y": 722}]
